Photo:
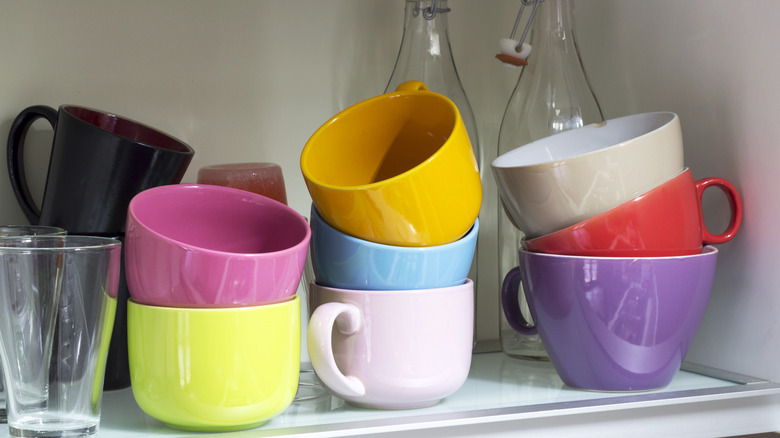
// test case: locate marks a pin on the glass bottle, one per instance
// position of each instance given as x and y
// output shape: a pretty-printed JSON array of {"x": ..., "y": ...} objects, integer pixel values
[
  {"x": 425, "y": 55},
  {"x": 552, "y": 95}
]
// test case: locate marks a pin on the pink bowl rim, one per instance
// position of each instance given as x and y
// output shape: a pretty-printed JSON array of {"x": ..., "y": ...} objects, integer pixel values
[
  {"x": 302, "y": 245},
  {"x": 260, "y": 307}
]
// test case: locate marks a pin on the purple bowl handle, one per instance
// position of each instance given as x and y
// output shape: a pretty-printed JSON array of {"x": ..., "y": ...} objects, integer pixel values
[{"x": 511, "y": 303}]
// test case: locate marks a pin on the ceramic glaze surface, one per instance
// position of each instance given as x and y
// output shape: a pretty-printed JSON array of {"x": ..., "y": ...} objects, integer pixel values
[
  {"x": 214, "y": 369},
  {"x": 613, "y": 323},
  {"x": 392, "y": 349},
  {"x": 568, "y": 177},
  {"x": 193, "y": 245},
  {"x": 343, "y": 261},
  {"x": 666, "y": 221},
  {"x": 396, "y": 169}
]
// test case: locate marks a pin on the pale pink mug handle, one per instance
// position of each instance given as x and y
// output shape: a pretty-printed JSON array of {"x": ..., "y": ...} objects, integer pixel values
[
  {"x": 321, "y": 346},
  {"x": 735, "y": 204}
]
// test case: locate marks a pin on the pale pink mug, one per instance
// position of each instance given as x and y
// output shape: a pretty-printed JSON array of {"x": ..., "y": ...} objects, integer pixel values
[{"x": 398, "y": 349}]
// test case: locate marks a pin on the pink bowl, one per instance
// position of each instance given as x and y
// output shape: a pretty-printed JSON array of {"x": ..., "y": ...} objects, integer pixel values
[{"x": 190, "y": 245}]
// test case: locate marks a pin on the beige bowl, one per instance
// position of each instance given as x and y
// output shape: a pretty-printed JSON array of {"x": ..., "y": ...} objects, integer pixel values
[{"x": 558, "y": 181}]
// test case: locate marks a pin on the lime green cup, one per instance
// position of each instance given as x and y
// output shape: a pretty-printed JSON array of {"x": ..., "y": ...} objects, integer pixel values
[{"x": 214, "y": 369}]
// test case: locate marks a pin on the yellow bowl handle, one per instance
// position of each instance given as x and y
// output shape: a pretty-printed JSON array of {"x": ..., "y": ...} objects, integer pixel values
[{"x": 411, "y": 86}]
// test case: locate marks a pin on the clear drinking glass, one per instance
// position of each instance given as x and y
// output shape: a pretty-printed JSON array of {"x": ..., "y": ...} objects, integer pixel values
[
  {"x": 58, "y": 297},
  {"x": 22, "y": 230},
  {"x": 552, "y": 95},
  {"x": 30, "y": 230}
]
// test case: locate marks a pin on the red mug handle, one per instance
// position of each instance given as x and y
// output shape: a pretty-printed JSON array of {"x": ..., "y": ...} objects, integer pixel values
[{"x": 735, "y": 205}]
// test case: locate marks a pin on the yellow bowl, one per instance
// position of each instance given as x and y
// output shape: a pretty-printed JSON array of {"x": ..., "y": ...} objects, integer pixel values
[
  {"x": 214, "y": 369},
  {"x": 396, "y": 169}
]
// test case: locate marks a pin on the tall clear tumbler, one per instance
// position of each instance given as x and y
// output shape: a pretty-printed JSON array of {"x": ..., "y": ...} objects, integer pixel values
[
  {"x": 58, "y": 297},
  {"x": 14, "y": 231}
]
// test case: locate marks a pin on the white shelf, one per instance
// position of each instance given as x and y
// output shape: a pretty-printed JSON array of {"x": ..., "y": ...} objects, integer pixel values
[{"x": 504, "y": 396}]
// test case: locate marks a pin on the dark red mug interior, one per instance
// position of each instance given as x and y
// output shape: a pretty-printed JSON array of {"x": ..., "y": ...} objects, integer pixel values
[{"x": 127, "y": 128}]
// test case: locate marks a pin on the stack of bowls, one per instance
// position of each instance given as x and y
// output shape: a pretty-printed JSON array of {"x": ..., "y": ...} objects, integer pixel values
[
  {"x": 616, "y": 262},
  {"x": 396, "y": 193},
  {"x": 213, "y": 320}
]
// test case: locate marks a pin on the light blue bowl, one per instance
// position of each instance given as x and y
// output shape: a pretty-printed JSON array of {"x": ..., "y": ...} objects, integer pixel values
[{"x": 343, "y": 261}]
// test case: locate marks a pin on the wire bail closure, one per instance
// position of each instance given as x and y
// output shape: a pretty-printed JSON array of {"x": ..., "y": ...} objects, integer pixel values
[
  {"x": 515, "y": 52},
  {"x": 523, "y": 4},
  {"x": 429, "y": 13}
]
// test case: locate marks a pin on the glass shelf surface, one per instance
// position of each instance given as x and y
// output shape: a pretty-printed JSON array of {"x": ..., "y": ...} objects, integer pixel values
[{"x": 497, "y": 385}]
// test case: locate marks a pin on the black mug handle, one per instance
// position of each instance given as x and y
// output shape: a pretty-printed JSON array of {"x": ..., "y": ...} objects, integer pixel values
[{"x": 15, "y": 152}]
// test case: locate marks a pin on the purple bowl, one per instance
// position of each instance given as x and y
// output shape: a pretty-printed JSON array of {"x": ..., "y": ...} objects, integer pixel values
[{"x": 612, "y": 323}]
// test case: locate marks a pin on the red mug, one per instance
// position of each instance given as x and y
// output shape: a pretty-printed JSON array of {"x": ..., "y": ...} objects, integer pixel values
[{"x": 666, "y": 221}]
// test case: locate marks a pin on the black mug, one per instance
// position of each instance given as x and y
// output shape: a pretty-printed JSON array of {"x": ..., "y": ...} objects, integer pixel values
[{"x": 99, "y": 161}]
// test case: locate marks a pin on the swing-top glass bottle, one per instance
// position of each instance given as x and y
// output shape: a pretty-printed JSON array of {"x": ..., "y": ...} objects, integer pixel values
[
  {"x": 552, "y": 95},
  {"x": 425, "y": 55}
]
